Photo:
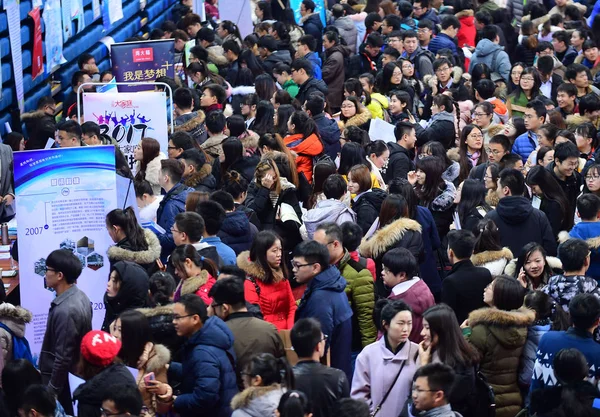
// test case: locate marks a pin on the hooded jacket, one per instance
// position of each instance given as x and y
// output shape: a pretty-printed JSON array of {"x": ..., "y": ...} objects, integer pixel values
[
  {"x": 275, "y": 299},
  {"x": 170, "y": 206},
  {"x": 312, "y": 85},
  {"x": 312, "y": 25},
  {"x": 316, "y": 63},
  {"x": 590, "y": 232},
  {"x": 367, "y": 207},
  {"x": 417, "y": 295},
  {"x": 466, "y": 33},
  {"x": 306, "y": 149},
  {"x": 348, "y": 31},
  {"x": 432, "y": 15},
  {"x": 563, "y": 288},
  {"x": 493, "y": 260},
  {"x": 326, "y": 211},
  {"x": 440, "y": 128},
  {"x": 123, "y": 251},
  {"x": 257, "y": 401},
  {"x": 422, "y": 60},
  {"x": 493, "y": 55},
  {"x": 499, "y": 336},
  {"x": 399, "y": 163},
  {"x": 209, "y": 383},
  {"x": 325, "y": 300},
  {"x": 333, "y": 73},
  {"x": 193, "y": 123},
  {"x": 15, "y": 318},
  {"x": 236, "y": 232},
  {"x": 275, "y": 58},
  {"x": 401, "y": 233},
  {"x": 160, "y": 319},
  {"x": 520, "y": 224},
  {"x": 40, "y": 126},
  {"x": 199, "y": 285},
  {"x": 90, "y": 394},
  {"x": 202, "y": 180},
  {"x": 133, "y": 292},
  {"x": 362, "y": 120},
  {"x": 330, "y": 134}
]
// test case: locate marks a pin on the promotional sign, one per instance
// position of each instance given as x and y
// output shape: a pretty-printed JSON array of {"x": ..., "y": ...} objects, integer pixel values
[
  {"x": 320, "y": 8},
  {"x": 142, "y": 61},
  {"x": 54, "y": 40},
  {"x": 37, "y": 63},
  {"x": 129, "y": 117},
  {"x": 62, "y": 198}
]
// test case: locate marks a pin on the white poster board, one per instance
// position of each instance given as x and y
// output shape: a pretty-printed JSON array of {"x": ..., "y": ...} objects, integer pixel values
[{"x": 239, "y": 12}]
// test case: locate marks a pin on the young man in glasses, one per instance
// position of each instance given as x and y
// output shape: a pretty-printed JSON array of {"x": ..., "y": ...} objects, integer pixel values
[{"x": 430, "y": 391}]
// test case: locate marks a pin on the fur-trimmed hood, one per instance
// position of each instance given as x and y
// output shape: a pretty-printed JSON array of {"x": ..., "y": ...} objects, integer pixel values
[
  {"x": 553, "y": 262},
  {"x": 189, "y": 122},
  {"x": 192, "y": 284},
  {"x": 258, "y": 397},
  {"x": 156, "y": 311},
  {"x": 197, "y": 177},
  {"x": 157, "y": 361},
  {"x": 253, "y": 269},
  {"x": 387, "y": 236},
  {"x": 493, "y": 130},
  {"x": 453, "y": 154},
  {"x": 431, "y": 80},
  {"x": 492, "y": 198},
  {"x": 358, "y": 119},
  {"x": 214, "y": 145},
  {"x": 509, "y": 328},
  {"x": 36, "y": 114},
  {"x": 144, "y": 257},
  {"x": 488, "y": 256},
  {"x": 465, "y": 13},
  {"x": 15, "y": 318},
  {"x": 574, "y": 120},
  {"x": 250, "y": 140}
]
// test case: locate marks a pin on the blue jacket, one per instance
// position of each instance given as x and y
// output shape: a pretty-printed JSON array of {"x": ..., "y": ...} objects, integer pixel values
[
  {"x": 316, "y": 62},
  {"x": 492, "y": 55},
  {"x": 313, "y": 26},
  {"x": 171, "y": 205},
  {"x": 330, "y": 135},
  {"x": 442, "y": 41},
  {"x": 525, "y": 144},
  {"x": 431, "y": 15},
  {"x": 237, "y": 232},
  {"x": 431, "y": 243},
  {"x": 224, "y": 251},
  {"x": 590, "y": 232},
  {"x": 534, "y": 334},
  {"x": 551, "y": 343},
  {"x": 209, "y": 381}
]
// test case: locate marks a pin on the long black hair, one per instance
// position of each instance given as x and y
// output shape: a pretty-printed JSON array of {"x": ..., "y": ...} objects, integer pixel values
[
  {"x": 526, "y": 252},
  {"x": 352, "y": 154},
  {"x": 435, "y": 148},
  {"x": 126, "y": 220},
  {"x": 540, "y": 176},
  {"x": 434, "y": 183},
  {"x": 183, "y": 252},
  {"x": 547, "y": 311},
  {"x": 283, "y": 115},
  {"x": 263, "y": 122},
  {"x": 472, "y": 195},
  {"x": 233, "y": 150},
  {"x": 262, "y": 242},
  {"x": 272, "y": 370},
  {"x": 402, "y": 187},
  {"x": 135, "y": 333},
  {"x": 304, "y": 124},
  {"x": 488, "y": 237}
]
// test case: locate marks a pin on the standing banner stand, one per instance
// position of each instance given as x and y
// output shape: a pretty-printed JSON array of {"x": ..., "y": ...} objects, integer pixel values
[{"x": 62, "y": 198}]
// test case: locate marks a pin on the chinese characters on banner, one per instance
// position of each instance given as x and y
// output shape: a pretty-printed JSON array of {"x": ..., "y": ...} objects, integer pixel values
[
  {"x": 142, "y": 62},
  {"x": 129, "y": 117},
  {"x": 37, "y": 64}
]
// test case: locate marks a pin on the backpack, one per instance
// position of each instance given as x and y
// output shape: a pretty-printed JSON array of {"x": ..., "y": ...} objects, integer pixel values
[
  {"x": 484, "y": 399},
  {"x": 20, "y": 346}
]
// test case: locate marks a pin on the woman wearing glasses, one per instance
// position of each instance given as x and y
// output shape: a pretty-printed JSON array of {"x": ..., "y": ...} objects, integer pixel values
[
  {"x": 527, "y": 90},
  {"x": 470, "y": 150},
  {"x": 483, "y": 117}
]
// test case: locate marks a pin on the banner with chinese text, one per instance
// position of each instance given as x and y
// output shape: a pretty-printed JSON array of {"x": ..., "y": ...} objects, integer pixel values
[{"x": 143, "y": 61}]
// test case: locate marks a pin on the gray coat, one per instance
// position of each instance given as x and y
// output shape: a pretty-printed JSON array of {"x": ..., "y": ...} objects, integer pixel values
[
  {"x": 493, "y": 55},
  {"x": 257, "y": 401},
  {"x": 6, "y": 179},
  {"x": 69, "y": 319},
  {"x": 348, "y": 31}
]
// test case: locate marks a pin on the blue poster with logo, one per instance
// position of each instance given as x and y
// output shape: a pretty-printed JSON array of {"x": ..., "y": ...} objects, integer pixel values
[
  {"x": 320, "y": 8},
  {"x": 143, "y": 61}
]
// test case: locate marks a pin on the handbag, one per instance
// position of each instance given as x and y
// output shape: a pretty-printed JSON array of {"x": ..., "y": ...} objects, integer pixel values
[{"x": 374, "y": 413}]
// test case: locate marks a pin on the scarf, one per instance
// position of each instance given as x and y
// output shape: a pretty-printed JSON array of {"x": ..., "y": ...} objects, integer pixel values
[
  {"x": 474, "y": 157},
  {"x": 213, "y": 107},
  {"x": 443, "y": 411}
]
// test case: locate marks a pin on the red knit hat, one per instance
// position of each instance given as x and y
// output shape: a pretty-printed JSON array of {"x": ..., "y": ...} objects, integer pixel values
[{"x": 100, "y": 348}]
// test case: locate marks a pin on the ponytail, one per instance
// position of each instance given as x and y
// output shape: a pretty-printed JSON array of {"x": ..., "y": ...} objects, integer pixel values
[
  {"x": 183, "y": 252},
  {"x": 294, "y": 404},
  {"x": 271, "y": 370},
  {"x": 127, "y": 221}
]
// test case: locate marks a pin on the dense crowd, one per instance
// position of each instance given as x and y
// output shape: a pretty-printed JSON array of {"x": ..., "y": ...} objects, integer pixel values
[{"x": 306, "y": 269}]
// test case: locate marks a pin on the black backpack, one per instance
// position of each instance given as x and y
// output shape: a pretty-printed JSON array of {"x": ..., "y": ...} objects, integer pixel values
[{"x": 484, "y": 399}]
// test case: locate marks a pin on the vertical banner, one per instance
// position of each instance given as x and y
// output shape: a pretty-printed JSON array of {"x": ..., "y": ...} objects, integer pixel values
[
  {"x": 37, "y": 63},
  {"x": 62, "y": 198},
  {"x": 96, "y": 9},
  {"x": 198, "y": 8},
  {"x": 112, "y": 12},
  {"x": 320, "y": 8},
  {"x": 239, "y": 12},
  {"x": 54, "y": 39},
  {"x": 129, "y": 117},
  {"x": 142, "y": 61},
  {"x": 66, "y": 19},
  {"x": 13, "y": 15}
]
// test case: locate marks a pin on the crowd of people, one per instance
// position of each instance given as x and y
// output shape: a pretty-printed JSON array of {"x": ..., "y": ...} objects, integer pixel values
[{"x": 308, "y": 270}]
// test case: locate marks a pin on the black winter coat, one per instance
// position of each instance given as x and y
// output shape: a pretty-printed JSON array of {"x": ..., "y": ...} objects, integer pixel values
[
  {"x": 245, "y": 166},
  {"x": 160, "y": 319},
  {"x": 322, "y": 385},
  {"x": 330, "y": 134},
  {"x": 399, "y": 164},
  {"x": 367, "y": 208},
  {"x": 519, "y": 223},
  {"x": 313, "y": 26},
  {"x": 237, "y": 232},
  {"x": 442, "y": 131},
  {"x": 312, "y": 85}
]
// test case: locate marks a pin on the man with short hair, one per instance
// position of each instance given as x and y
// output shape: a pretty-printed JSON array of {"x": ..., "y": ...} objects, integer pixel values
[
  {"x": 588, "y": 229},
  {"x": 346, "y": 27},
  {"x": 518, "y": 222},
  {"x": 498, "y": 147},
  {"x": 405, "y": 9},
  {"x": 489, "y": 52},
  {"x": 512, "y": 161},
  {"x": 250, "y": 334},
  {"x": 216, "y": 53},
  {"x": 432, "y": 385},
  {"x": 37, "y": 401},
  {"x": 328, "y": 128},
  {"x": 306, "y": 49},
  {"x": 463, "y": 286},
  {"x": 87, "y": 63},
  {"x": 580, "y": 76},
  {"x": 90, "y": 133},
  {"x": 236, "y": 231},
  {"x": 213, "y": 98},
  {"x": 302, "y": 74},
  {"x": 394, "y": 40},
  {"x": 79, "y": 78},
  {"x": 566, "y": 98},
  {"x": 173, "y": 203},
  {"x": 421, "y": 58},
  {"x": 422, "y": 11},
  {"x": 535, "y": 116},
  {"x": 584, "y": 310},
  {"x": 207, "y": 368},
  {"x": 192, "y": 23},
  {"x": 388, "y": 55},
  {"x": 147, "y": 202},
  {"x": 215, "y": 126},
  {"x": 69, "y": 134},
  {"x": 197, "y": 173},
  {"x": 270, "y": 54},
  {"x": 589, "y": 110},
  {"x": 401, "y": 162},
  {"x": 69, "y": 319},
  {"x": 122, "y": 400},
  {"x": 188, "y": 229},
  {"x": 214, "y": 216},
  {"x": 352, "y": 238},
  {"x": 322, "y": 385},
  {"x": 562, "y": 47},
  {"x": 390, "y": 23},
  {"x": 325, "y": 300},
  {"x": 359, "y": 284},
  {"x": 311, "y": 22},
  {"x": 186, "y": 119},
  {"x": 40, "y": 123},
  {"x": 550, "y": 80},
  {"x": 369, "y": 53},
  {"x": 445, "y": 39},
  {"x": 564, "y": 171},
  {"x": 179, "y": 142},
  {"x": 232, "y": 51}
]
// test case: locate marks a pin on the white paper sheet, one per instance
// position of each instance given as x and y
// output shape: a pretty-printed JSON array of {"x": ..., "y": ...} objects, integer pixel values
[{"x": 381, "y": 130}]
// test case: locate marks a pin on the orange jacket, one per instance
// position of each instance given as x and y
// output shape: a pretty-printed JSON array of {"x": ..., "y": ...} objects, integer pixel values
[{"x": 305, "y": 150}]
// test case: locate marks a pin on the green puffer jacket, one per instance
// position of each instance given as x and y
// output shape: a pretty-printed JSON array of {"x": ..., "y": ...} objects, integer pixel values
[
  {"x": 500, "y": 336},
  {"x": 361, "y": 295}
]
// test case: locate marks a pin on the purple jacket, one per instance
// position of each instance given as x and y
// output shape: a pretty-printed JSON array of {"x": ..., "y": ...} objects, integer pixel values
[{"x": 375, "y": 371}]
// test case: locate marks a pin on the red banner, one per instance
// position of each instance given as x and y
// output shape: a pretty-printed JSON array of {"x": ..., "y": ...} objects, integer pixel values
[{"x": 37, "y": 63}]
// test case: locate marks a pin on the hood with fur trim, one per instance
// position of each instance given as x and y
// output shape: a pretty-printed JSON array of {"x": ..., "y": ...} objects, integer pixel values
[
  {"x": 158, "y": 359},
  {"x": 156, "y": 311},
  {"x": 250, "y": 141},
  {"x": 553, "y": 262},
  {"x": 358, "y": 119},
  {"x": 192, "y": 284},
  {"x": 508, "y": 327},
  {"x": 488, "y": 256},
  {"x": 453, "y": 154},
  {"x": 189, "y": 122},
  {"x": 15, "y": 318},
  {"x": 492, "y": 198},
  {"x": 465, "y": 13},
  {"x": 36, "y": 114},
  {"x": 574, "y": 120},
  {"x": 387, "y": 236},
  {"x": 258, "y": 401},
  {"x": 143, "y": 257},
  {"x": 253, "y": 269},
  {"x": 197, "y": 177}
]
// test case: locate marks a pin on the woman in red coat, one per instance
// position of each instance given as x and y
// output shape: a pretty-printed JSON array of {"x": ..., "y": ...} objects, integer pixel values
[
  {"x": 467, "y": 32},
  {"x": 197, "y": 273},
  {"x": 304, "y": 141},
  {"x": 266, "y": 280}
]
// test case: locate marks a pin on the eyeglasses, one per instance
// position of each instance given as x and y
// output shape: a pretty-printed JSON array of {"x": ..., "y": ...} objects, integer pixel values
[
  {"x": 423, "y": 30},
  {"x": 444, "y": 69},
  {"x": 476, "y": 136},
  {"x": 46, "y": 269},
  {"x": 493, "y": 151},
  {"x": 296, "y": 265},
  {"x": 177, "y": 318},
  {"x": 526, "y": 78},
  {"x": 172, "y": 147},
  {"x": 173, "y": 230},
  {"x": 417, "y": 8},
  {"x": 325, "y": 337},
  {"x": 592, "y": 177},
  {"x": 215, "y": 305},
  {"x": 479, "y": 114}
]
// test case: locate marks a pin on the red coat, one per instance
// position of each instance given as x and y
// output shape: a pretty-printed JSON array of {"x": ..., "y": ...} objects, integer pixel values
[
  {"x": 467, "y": 32},
  {"x": 305, "y": 150},
  {"x": 199, "y": 285},
  {"x": 276, "y": 299},
  {"x": 419, "y": 298}
]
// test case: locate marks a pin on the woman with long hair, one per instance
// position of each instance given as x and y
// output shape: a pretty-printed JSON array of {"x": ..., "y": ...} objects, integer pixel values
[
  {"x": 305, "y": 141},
  {"x": 490, "y": 179},
  {"x": 528, "y": 89},
  {"x": 470, "y": 150},
  {"x": 267, "y": 284},
  {"x": 127, "y": 288},
  {"x": 353, "y": 113},
  {"x": 515, "y": 76},
  {"x": 279, "y": 30},
  {"x": 433, "y": 192},
  {"x": 378, "y": 364},
  {"x": 282, "y": 116},
  {"x": 390, "y": 79},
  {"x": 526, "y": 50},
  {"x": 472, "y": 206},
  {"x": 378, "y": 155},
  {"x": 554, "y": 200},
  {"x": 234, "y": 159},
  {"x": 197, "y": 274},
  {"x": 227, "y": 30},
  {"x": 322, "y": 171},
  {"x": 367, "y": 200},
  {"x": 236, "y": 125},
  {"x": 265, "y": 87},
  {"x": 451, "y": 168},
  {"x": 545, "y": 156},
  {"x": 132, "y": 243},
  {"x": 533, "y": 268},
  {"x": 353, "y": 154},
  {"x": 499, "y": 333},
  {"x": 295, "y": 31},
  {"x": 263, "y": 122},
  {"x": 488, "y": 252},
  {"x": 266, "y": 378},
  {"x": 148, "y": 156},
  {"x": 201, "y": 76},
  {"x": 138, "y": 351},
  {"x": 443, "y": 342},
  {"x": 442, "y": 125},
  {"x": 263, "y": 11}
]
